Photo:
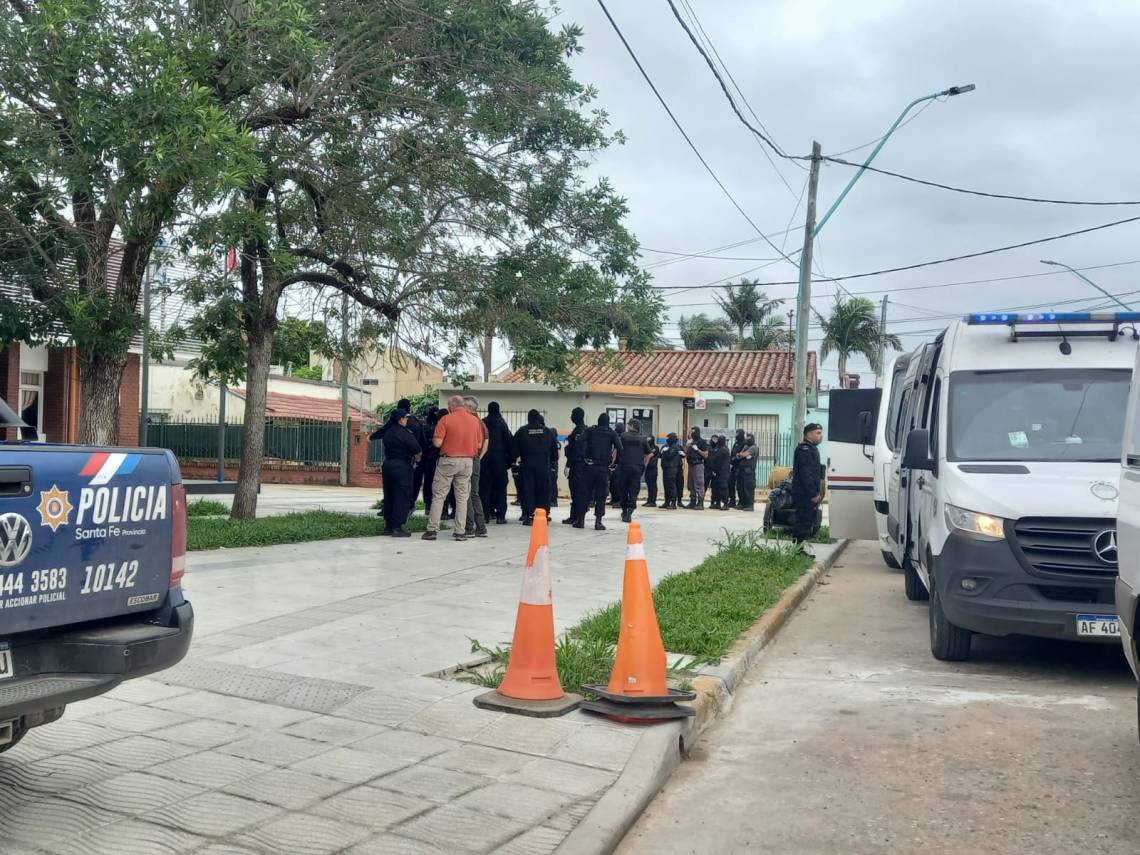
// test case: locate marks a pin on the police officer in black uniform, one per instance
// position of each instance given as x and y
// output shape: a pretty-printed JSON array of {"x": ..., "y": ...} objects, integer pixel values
[
  {"x": 807, "y": 483},
  {"x": 533, "y": 444},
  {"x": 615, "y": 476},
  {"x": 401, "y": 450},
  {"x": 745, "y": 486},
  {"x": 651, "y": 473},
  {"x": 553, "y": 464},
  {"x": 671, "y": 456},
  {"x": 734, "y": 463},
  {"x": 719, "y": 466},
  {"x": 496, "y": 462},
  {"x": 600, "y": 449},
  {"x": 634, "y": 455},
  {"x": 575, "y": 464}
]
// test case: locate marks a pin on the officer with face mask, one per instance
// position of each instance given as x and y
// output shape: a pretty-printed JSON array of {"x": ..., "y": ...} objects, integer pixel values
[
  {"x": 696, "y": 453},
  {"x": 651, "y": 473},
  {"x": 635, "y": 453},
  {"x": 718, "y": 466},
  {"x": 734, "y": 462},
  {"x": 534, "y": 445},
  {"x": 615, "y": 483},
  {"x": 746, "y": 473},
  {"x": 600, "y": 450},
  {"x": 672, "y": 456},
  {"x": 575, "y": 464}
]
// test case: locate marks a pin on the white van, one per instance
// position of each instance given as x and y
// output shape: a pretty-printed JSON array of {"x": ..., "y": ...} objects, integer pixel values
[
  {"x": 1002, "y": 484},
  {"x": 1128, "y": 525}
]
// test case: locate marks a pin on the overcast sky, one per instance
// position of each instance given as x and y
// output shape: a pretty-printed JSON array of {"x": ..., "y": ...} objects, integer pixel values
[{"x": 1054, "y": 115}]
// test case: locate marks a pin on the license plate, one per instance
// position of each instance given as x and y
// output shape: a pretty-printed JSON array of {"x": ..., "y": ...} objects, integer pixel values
[
  {"x": 6, "y": 669},
  {"x": 1105, "y": 625}
]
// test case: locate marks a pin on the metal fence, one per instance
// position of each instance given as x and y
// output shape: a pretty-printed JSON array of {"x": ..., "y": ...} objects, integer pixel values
[
  {"x": 775, "y": 450},
  {"x": 292, "y": 440}
]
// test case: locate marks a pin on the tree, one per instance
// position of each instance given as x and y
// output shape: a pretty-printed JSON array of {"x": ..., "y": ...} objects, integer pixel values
[
  {"x": 854, "y": 328},
  {"x": 700, "y": 332},
  {"x": 768, "y": 334},
  {"x": 111, "y": 122},
  {"x": 295, "y": 339},
  {"x": 430, "y": 170},
  {"x": 746, "y": 306}
]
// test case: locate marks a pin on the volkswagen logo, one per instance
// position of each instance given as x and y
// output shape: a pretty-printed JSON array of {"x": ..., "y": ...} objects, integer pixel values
[
  {"x": 15, "y": 539},
  {"x": 1104, "y": 490},
  {"x": 1104, "y": 546}
]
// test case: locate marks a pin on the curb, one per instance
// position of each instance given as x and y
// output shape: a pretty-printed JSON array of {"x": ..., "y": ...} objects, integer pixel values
[{"x": 661, "y": 748}]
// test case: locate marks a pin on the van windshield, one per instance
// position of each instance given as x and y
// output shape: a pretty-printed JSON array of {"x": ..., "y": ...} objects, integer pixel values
[{"x": 1038, "y": 415}]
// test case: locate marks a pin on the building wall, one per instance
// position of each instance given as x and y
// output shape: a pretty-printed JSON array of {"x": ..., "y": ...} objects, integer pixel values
[
  {"x": 395, "y": 378},
  {"x": 781, "y": 406},
  {"x": 10, "y": 383}
]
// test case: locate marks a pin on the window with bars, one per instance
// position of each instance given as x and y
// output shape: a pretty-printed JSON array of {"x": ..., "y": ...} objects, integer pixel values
[{"x": 766, "y": 429}]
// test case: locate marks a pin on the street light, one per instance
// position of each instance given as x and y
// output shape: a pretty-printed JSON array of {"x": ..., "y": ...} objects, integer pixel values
[
  {"x": 1089, "y": 281},
  {"x": 810, "y": 231}
]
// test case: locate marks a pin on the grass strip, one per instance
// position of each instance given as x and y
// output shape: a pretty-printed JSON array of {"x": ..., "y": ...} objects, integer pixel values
[
  {"x": 206, "y": 508},
  {"x": 700, "y": 612},
  {"x": 301, "y": 527}
]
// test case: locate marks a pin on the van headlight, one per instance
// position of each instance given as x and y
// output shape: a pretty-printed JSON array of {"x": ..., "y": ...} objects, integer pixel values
[{"x": 972, "y": 523}]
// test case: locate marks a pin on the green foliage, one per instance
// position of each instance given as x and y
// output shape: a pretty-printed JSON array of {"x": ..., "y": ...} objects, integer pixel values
[
  {"x": 853, "y": 327},
  {"x": 206, "y": 508},
  {"x": 748, "y": 308},
  {"x": 420, "y": 405},
  {"x": 301, "y": 527},
  {"x": 700, "y": 332},
  {"x": 295, "y": 338},
  {"x": 309, "y": 372}
]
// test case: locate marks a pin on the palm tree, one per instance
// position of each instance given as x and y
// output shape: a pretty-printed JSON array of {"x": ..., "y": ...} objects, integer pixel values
[
  {"x": 854, "y": 328},
  {"x": 767, "y": 335},
  {"x": 700, "y": 332},
  {"x": 745, "y": 305}
]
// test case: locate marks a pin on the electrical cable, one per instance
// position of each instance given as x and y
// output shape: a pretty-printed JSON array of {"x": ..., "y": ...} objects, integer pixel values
[
  {"x": 684, "y": 134},
  {"x": 952, "y": 189},
  {"x": 938, "y": 261},
  {"x": 910, "y": 119}
]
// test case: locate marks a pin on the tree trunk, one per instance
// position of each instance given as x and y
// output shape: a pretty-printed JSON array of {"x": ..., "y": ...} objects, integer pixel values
[
  {"x": 486, "y": 350},
  {"x": 99, "y": 382},
  {"x": 259, "y": 354},
  {"x": 842, "y": 367}
]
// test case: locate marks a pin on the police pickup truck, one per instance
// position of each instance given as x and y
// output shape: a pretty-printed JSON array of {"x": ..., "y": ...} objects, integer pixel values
[{"x": 92, "y": 552}]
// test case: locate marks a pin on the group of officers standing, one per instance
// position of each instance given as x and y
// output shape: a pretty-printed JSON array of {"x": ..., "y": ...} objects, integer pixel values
[{"x": 455, "y": 457}]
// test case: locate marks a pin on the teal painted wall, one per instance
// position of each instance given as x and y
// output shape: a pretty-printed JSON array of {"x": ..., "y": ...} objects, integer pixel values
[{"x": 780, "y": 406}]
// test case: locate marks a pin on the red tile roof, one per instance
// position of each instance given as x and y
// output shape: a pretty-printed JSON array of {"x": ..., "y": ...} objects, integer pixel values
[
  {"x": 708, "y": 370},
  {"x": 281, "y": 406}
]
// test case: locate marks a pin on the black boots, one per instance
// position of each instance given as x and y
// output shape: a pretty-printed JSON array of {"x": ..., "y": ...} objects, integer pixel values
[
  {"x": 578, "y": 523},
  {"x": 714, "y": 506},
  {"x": 627, "y": 516},
  {"x": 649, "y": 505},
  {"x": 598, "y": 524}
]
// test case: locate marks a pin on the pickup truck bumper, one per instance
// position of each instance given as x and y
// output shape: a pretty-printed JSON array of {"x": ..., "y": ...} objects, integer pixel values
[{"x": 55, "y": 671}]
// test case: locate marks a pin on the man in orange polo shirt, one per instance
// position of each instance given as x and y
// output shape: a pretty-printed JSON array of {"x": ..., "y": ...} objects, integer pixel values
[{"x": 459, "y": 437}]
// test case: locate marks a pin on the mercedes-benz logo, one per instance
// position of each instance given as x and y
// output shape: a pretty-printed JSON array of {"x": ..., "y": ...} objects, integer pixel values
[
  {"x": 1104, "y": 546},
  {"x": 15, "y": 539}
]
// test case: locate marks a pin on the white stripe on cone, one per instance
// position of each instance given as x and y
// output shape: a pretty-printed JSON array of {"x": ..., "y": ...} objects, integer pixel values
[
  {"x": 635, "y": 551},
  {"x": 537, "y": 581}
]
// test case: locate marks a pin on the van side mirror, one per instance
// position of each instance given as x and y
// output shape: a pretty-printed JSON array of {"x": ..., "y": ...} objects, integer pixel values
[
  {"x": 917, "y": 454},
  {"x": 867, "y": 428}
]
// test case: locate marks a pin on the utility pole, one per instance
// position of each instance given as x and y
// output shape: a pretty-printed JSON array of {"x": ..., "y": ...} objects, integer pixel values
[
  {"x": 344, "y": 438},
  {"x": 791, "y": 329},
  {"x": 221, "y": 432},
  {"x": 803, "y": 299},
  {"x": 883, "y": 340}
]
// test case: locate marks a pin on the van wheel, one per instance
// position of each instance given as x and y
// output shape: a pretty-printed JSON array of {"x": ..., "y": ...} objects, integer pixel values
[
  {"x": 948, "y": 643},
  {"x": 915, "y": 591},
  {"x": 890, "y": 560}
]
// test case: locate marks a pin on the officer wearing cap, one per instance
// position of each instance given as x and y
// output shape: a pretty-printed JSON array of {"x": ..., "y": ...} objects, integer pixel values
[{"x": 807, "y": 483}]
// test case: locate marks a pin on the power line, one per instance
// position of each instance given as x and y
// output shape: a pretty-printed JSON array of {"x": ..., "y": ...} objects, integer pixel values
[
  {"x": 952, "y": 189},
  {"x": 922, "y": 264},
  {"x": 680, "y": 128},
  {"x": 724, "y": 87},
  {"x": 917, "y": 113}
]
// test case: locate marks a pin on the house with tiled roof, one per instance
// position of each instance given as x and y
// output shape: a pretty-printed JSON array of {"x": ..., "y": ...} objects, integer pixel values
[{"x": 669, "y": 391}]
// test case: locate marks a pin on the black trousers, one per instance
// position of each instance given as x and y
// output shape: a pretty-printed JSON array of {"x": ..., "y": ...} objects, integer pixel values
[
  {"x": 672, "y": 479},
  {"x": 596, "y": 484},
  {"x": 554, "y": 486},
  {"x": 629, "y": 479},
  {"x": 428, "y": 467},
  {"x": 615, "y": 486},
  {"x": 651, "y": 482},
  {"x": 805, "y": 518},
  {"x": 398, "y": 494},
  {"x": 493, "y": 487},
  {"x": 535, "y": 483},
  {"x": 722, "y": 487},
  {"x": 680, "y": 482},
  {"x": 579, "y": 498},
  {"x": 746, "y": 485}
]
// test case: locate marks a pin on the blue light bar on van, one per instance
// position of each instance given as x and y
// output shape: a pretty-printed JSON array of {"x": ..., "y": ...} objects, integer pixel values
[{"x": 1009, "y": 318}]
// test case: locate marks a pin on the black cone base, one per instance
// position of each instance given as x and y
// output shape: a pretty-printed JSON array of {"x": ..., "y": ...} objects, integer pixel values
[
  {"x": 535, "y": 709},
  {"x": 604, "y": 692},
  {"x": 638, "y": 713}
]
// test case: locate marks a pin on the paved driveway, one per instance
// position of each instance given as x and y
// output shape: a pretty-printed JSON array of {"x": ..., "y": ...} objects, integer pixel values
[
  {"x": 302, "y": 721},
  {"x": 849, "y": 737}
]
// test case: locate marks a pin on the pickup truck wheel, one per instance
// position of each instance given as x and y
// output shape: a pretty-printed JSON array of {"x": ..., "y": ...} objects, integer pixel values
[
  {"x": 890, "y": 560},
  {"x": 948, "y": 643},
  {"x": 915, "y": 591}
]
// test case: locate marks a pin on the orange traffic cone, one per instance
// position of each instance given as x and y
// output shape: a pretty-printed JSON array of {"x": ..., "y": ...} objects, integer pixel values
[
  {"x": 531, "y": 685},
  {"x": 637, "y": 691}
]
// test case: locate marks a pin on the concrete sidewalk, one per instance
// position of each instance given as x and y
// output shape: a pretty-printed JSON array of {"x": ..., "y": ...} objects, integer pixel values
[{"x": 302, "y": 720}]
